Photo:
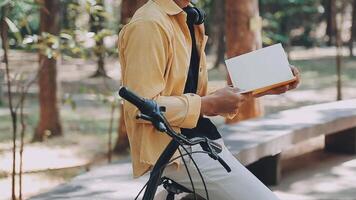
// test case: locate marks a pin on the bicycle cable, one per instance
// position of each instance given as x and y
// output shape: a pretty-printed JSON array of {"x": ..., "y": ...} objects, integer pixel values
[
  {"x": 188, "y": 172},
  {"x": 170, "y": 162},
  {"x": 200, "y": 174}
]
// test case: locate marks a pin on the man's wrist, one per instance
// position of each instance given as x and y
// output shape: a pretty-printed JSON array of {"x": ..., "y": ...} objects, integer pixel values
[{"x": 206, "y": 106}]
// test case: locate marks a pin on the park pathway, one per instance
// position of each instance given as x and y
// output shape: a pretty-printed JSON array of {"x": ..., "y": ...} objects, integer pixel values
[{"x": 314, "y": 176}]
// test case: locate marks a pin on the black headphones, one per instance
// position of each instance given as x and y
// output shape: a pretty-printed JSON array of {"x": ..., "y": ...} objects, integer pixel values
[{"x": 195, "y": 15}]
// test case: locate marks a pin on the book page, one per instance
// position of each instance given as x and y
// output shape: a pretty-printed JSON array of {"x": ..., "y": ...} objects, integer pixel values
[{"x": 264, "y": 68}]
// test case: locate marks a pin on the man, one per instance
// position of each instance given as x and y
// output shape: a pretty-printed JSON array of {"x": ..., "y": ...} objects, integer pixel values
[{"x": 162, "y": 58}]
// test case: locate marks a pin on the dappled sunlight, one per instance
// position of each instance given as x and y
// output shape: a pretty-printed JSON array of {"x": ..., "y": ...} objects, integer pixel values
[
  {"x": 333, "y": 177},
  {"x": 38, "y": 158},
  {"x": 32, "y": 184},
  {"x": 351, "y": 164},
  {"x": 316, "y": 53},
  {"x": 287, "y": 196},
  {"x": 109, "y": 182}
]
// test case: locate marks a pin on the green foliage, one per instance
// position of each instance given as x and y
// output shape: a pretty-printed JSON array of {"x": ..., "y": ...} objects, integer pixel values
[
  {"x": 282, "y": 17},
  {"x": 207, "y": 6},
  {"x": 22, "y": 20},
  {"x": 99, "y": 30}
]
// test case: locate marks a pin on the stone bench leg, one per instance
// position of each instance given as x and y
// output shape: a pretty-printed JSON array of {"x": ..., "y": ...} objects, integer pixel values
[
  {"x": 342, "y": 142},
  {"x": 267, "y": 169}
]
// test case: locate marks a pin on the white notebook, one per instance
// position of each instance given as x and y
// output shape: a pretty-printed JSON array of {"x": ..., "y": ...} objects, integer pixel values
[{"x": 260, "y": 70}]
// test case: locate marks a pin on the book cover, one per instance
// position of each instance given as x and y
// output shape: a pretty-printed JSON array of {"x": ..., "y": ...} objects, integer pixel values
[{"x": 260, "y": 70}]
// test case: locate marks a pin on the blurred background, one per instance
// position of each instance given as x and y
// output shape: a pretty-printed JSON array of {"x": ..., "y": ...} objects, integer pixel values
[{"x": 59, "y": 72}]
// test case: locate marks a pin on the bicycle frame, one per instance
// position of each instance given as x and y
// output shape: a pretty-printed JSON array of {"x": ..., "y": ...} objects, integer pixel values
[
  {"x": 152, "y": 112},
  {"x": 157, "y": 170}
]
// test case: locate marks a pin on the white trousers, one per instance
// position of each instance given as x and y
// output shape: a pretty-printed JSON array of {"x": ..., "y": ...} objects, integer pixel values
[{"x": 239, "y": 184}]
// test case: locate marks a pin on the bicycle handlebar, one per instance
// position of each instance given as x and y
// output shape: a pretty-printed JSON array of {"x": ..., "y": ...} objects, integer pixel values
[
  {"x": 150, "y": 111},
  {"x": 131, "y": 97},
  {"x": 145, "y": 106}
]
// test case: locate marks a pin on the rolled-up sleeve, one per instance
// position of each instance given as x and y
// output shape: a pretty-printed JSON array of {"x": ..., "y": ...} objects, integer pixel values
[{"x": 145, "y": 51}]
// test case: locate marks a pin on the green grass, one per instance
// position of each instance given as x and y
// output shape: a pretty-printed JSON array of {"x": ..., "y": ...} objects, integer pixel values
[
  {"x": 73, "y": 123},
  {"x": 321, "y": 73}
]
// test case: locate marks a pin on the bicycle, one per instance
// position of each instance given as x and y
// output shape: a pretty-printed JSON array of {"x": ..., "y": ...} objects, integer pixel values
[{"x": 152, "y": 112}]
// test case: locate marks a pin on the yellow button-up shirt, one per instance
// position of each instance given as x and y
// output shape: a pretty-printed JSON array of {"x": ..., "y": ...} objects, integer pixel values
[{"x": 155, "y": 49}]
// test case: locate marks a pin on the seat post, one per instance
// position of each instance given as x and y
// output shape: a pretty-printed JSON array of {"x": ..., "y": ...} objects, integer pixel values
[{"x": 156, "y": 173}]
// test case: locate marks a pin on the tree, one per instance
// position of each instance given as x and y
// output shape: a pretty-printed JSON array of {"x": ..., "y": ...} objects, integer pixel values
[
  {"x": 243, "y": 34},
  {"x": 49, "y": 122},
  {"x": 68, "y": 14},
  {"x": 217, "y": 32},
  {"x": 4, "y": 28},
  {"x": 97, "y": 20},
  {"x": 1, "y": 83},
  {"x": 281, "y": 18},
  {"x": 128, "y": 9},
  {"x": 353, "y": 28},
  {"x": 330, "y": 14}
]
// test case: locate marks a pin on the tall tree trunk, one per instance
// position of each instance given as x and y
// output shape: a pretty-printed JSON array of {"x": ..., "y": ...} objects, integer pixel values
[
  {"x": 339, "y": 25},
  {"x": 330, "y": 14},
  {"x": 243, "y": 35},
  {"x": 218, "y": 31},
  {"x": 128, "y": 9},
  {"x": 2, "y": 80},
  {"x": 49, "y": 123},
  {"x": 353, "y": 29}
]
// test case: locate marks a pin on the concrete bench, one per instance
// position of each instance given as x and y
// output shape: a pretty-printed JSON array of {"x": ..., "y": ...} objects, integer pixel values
[{"x": 258, "y": 143}]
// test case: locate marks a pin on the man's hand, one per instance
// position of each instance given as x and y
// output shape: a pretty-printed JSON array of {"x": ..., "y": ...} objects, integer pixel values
[
  {"x": 285, "y": 88},
  {"x": 223, "y": 101}
]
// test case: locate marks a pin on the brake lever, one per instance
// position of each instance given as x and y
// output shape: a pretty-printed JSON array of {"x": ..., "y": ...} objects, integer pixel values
[
  {"x": 158, "y": 125},
  {"x": 216, "y": 148}
]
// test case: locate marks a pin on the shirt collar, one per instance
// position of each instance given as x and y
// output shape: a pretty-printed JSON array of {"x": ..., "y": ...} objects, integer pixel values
[{"x": 169, "y": 6}]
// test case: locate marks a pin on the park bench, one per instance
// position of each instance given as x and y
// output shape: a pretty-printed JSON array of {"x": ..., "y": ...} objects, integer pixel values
[{"x": 258, "y": 143}]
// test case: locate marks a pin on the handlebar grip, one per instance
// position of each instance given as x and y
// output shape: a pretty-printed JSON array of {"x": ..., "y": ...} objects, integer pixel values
[{"x": 132, "y": 97}]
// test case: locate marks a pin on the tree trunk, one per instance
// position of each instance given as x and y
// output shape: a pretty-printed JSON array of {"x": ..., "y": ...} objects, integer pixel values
[
  {"x": 2, "y": 80},
  {"x": 339, "y": 25},
  {"x": 243, "y": 35},
  {"x": 128, "y": 9},
  {"x": 330, "y": 14},
  {"x": 49, "y": 123},
  {"x": 217, "y": 33},
  {"x": 353, "y": 29},
  {"x": 122, "y": 142}
]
